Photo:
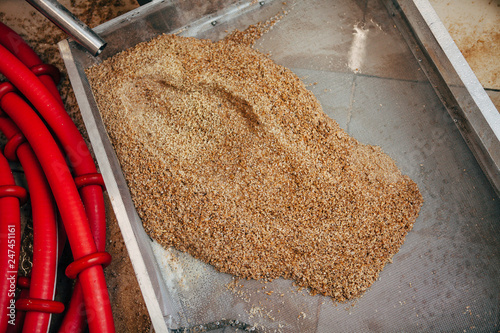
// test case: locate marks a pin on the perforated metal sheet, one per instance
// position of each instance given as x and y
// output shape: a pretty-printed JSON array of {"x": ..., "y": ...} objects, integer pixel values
[{"x": 445, "y": 277}]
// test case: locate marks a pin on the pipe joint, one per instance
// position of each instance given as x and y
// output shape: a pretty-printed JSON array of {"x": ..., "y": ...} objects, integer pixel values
[
  {"x": 47, "y": 69},
  {"x": 10, "y": 149},
  {"x": 90, "y": 179},
  {"x": 15, "y": 191},
  {"x": 96, "y": 258},
  {"x": 39, "y": 305}
]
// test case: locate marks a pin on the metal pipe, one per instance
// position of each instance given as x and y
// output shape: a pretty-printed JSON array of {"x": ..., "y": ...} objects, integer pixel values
[{"x": 65, "y": 20}]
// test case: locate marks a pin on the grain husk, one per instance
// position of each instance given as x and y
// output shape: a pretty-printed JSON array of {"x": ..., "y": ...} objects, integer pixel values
[{"x": 229, "y": 157}]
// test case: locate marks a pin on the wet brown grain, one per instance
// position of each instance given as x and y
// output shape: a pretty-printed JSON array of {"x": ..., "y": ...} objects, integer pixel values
[{"x": 230, "y": 158}]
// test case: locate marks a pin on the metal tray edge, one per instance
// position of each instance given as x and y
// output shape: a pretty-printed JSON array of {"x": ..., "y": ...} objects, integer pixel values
[
  {"x": 454, "y": 81},
  {"x": 147, "y": 273}
]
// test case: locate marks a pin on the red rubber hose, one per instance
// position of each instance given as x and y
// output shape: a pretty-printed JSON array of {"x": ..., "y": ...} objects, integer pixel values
[
  {"x": 17, "y": 46},
  {"x": 10, "y": 244},
  {"x": 55, "y": 116},
  {"x": 72, "y": 212},
  {"x": 73, "y": 320},
  {"x": 68, "y": 134},
  {"x": 43, "y": 273},
  {"x": 58, "y": 120},
  {"x": 45, "y": 255}
]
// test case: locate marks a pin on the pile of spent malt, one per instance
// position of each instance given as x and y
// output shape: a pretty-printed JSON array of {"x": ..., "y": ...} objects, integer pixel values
[{"x": 230, "y": 158}]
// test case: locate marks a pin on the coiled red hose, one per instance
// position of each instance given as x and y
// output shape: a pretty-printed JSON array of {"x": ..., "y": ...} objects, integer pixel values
[
  {"x": 10, "y": 243},
  {"x": 74, "y": 320},
  {"x": 65, "y": 193},
  {"x": 45, "y": 243},
  {"x": 64, "y": 129},
  {"x": 18, "y": 47},
  {"x": 42, "y": 96}
]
